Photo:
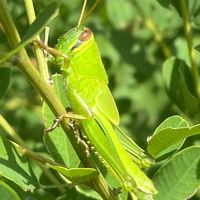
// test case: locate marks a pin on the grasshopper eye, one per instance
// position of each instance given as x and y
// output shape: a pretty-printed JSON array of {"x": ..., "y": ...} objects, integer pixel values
[{"x": 85, "y": 35}]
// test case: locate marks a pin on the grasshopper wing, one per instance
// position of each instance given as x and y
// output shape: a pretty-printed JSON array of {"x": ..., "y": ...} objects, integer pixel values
[{"x": 106, "y": 104}]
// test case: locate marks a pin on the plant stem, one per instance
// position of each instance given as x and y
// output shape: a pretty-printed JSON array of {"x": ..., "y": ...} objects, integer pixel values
[
  {"x": 40, "y": 160},
  {"x": 20, "y": 143},
  {"x": 11, "y": 132},
  {"x": 39, "y": 53},
  {"x": 191, "y": 51},
  {"x": 50, "y": 97},
  {"x": 156, "y": 32}
]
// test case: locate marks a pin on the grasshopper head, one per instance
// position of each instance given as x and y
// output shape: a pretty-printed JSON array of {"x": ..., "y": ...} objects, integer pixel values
[{"x": 74, "y": 40}]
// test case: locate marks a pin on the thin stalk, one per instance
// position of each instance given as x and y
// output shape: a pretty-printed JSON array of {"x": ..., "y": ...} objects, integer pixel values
[
  {"x": 156, "y": 32},
  {"x": 20, "y": 143},
  {"x": 11, "y": 132},
  {"x": 89, "y": 12},
  {"x": 40, "y": 160},
  {"x": 50, "y": 97},
  {"x": 188, "y": 35},
  {"x": 158, "y": 37},
  {"x": 53, "y": 179},
  {"x": 39, "y": 53},
  {"x": 82, "y": 12}
]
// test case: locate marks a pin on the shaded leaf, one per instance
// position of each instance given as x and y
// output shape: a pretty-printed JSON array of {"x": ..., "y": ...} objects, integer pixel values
[
  {"x": 197, "y": 47},
  {"x": 179, "y": 85},
  {"x": 120, "y": 13},
  {"x": 77, "y": 194},
  {"x": 113, "y": 183},
  {"x": 56, "y": 141},
  {"x": 15, "y": 167},
  {"x": 168, "y": 3},
  {"x": 193, "y": 7},
  {"x": 7, "y": 192},
  {"x": 180, "y": 177},
  {"x": 36, "y": 27},
  {"x": 197, "y": 20},
  {"x": 4, "y": 80}
]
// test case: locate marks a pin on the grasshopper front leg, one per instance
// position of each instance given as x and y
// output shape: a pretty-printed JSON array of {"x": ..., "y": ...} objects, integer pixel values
[
  {"x": 74, "y": 126},
  {"x": 51, "y": 50},
  {"x": 57, "y": 121}
]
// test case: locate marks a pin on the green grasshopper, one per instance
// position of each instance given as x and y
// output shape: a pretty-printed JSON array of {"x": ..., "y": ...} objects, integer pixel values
[{"x": 78, "y": 56}]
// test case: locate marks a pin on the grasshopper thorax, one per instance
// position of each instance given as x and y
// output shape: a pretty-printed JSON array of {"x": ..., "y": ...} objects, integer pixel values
[{"x": 84, "y": 56}]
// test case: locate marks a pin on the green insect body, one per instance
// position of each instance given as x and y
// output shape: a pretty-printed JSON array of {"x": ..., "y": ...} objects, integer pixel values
[{"x": 89, "y": 96}]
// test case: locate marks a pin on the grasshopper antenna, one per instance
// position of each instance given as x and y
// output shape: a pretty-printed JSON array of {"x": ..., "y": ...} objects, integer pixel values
[
  {"x": 90, "y": 11},
  {"x": 82, "y": 13},
  {"x": 82, "y": 18}
]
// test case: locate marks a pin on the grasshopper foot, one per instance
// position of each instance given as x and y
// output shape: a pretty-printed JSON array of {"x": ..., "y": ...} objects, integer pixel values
[
  {"x": 74, "y": 126},
  {"x": 57, "y": 121},
  {"x": 54, "y": 125},
  {"x": 117, "y": 191}
]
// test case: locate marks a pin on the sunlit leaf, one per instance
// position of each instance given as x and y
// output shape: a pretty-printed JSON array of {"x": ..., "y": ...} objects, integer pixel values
[
  {"x": 4, "y": 80},
  {"x": 179, "y": 178},
  {"x": 76, "y": 175},
  {"x": 170, "y": 135}
]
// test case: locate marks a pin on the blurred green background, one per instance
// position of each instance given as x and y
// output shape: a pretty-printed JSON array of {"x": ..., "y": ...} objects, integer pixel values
[
  {"x": 132, "y": 57},
  {"x": 135, "y": 38}
]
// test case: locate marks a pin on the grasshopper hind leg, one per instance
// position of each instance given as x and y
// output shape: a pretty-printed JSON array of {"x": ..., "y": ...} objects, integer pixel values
[{"x": 75, "y": 126}]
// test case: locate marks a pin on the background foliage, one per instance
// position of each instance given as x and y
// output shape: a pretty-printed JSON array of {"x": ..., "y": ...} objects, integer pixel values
[{"x": 135, "y": 39}]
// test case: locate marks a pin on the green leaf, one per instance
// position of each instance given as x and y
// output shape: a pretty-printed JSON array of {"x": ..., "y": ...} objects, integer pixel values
[
  {"x": 197, "y": 47},
  {"x": 168, "y": 134},
  {"x": 193, "y": 7},
  {"x": 120, "y": 13},
  {"x": 15, "y": 167},
  {"x": 77, "y": 194},
  {"x": 36, "y": 27},
  {"x": 56, "y": 142},
  {"x": 7, "y": 192},
  {"x": 170, "y": 123},
  {"x": 4, "y": 80},
  {"x": 168, "y": 3},
  {"x": 197, "y": 20},
  {"x": 113, "y": 183},
  {"x": 179, "y": 178},
  {"x": 179, "y": 85},
  {"x": 76, "y": 175}
]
